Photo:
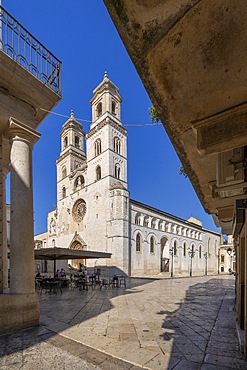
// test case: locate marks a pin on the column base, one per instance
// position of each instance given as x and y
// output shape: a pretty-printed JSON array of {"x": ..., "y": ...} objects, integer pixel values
[{"x": 18, "y": 311}]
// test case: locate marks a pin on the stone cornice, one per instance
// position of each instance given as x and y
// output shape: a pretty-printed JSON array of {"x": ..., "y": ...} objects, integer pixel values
[
  {"x": 104, "y": 123},
  {"x": 71, "y": 152},
  {"x": 17, "y": 129}
]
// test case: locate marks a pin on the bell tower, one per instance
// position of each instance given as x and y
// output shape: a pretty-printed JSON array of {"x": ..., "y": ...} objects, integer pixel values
[
  {"x": 72, "y": 154},
  {"x": 107, "y": 138}
]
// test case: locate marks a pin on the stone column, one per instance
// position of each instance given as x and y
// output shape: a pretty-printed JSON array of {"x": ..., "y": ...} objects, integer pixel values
[
  {"x": 3, "y": 222},
  {"x": 22, "y": 270}
]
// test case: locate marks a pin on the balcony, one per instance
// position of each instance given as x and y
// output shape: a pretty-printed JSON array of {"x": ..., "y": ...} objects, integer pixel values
[
  {"x": 30, "y": 75},
  {"x": 28, "y": 52}
]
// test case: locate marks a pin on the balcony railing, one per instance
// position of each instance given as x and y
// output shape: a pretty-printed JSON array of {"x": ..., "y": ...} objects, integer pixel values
[{"x": 27, "y": 51}]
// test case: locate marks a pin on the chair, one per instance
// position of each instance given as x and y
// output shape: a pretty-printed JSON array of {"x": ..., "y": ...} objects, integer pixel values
[
  {"x": 104, "y": 283},
  {"x": 122, "y": 281},
  {"x": 55, "y": 285},
  {"x": 45, "y": 285},
  {"x": 81, "y": 284}
]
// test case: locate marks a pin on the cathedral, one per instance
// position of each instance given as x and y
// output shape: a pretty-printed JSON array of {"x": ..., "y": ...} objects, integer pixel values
[{"x": 94, "y": 210}]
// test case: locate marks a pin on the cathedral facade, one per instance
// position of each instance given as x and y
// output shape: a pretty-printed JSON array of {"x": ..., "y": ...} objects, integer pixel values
[{"x": 94, "y": 210}]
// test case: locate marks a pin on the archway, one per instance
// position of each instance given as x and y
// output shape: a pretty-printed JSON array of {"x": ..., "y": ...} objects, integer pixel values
[
  {"x": 164, "y": 255},
  {"x": 77, "y": 264}
]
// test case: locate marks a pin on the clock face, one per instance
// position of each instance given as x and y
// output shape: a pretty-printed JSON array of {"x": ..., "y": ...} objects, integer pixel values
[{"x": 79, "y": 210}]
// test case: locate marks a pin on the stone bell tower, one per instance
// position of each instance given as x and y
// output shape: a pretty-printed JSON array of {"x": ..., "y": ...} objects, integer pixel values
[
  {"x": 106, "y": 140},
  {"x": 72, "y": 154},
  {"x": 107, "y": 169}
]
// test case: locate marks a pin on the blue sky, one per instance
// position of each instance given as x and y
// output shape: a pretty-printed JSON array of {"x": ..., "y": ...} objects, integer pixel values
[{"x": 81, "y": 34}]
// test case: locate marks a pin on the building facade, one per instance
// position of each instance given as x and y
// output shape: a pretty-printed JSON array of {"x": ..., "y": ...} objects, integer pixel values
[{"x": 94, "y": 210}]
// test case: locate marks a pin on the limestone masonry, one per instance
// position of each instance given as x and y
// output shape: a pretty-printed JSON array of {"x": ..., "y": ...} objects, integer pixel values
[{"x": 94, "y": 210}]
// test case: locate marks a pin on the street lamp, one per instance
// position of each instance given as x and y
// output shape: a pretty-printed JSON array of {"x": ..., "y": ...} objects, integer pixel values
[
  {"x": 229, "y": 252},
  {"x": 206, "y": 255},
  {"x": 191, "y": 254},
  {"x": 171, "y": 250}
]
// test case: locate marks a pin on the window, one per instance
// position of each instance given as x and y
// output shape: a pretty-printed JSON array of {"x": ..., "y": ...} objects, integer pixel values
[
  {"x": 98, "y": 173},
  {"x": 200, "y": 251},
  {"x": 97, "y": 147},
  {"x": 117, "y": 171},
  {"x": 184, "y": 249},
  {"x": 138, "y": 242},
  {"x": 138, "y": 220},
  {"x": 222, "y": 258},
  {"x": 117, "y": 145},
  {"x": 77, "y": 142},
  {"x": 53, "y": 242},
  {"x": 64, "y": 192},
  {"x": 65, "y": 142},
  {"x": 175, "y": 249},
  {"x": 152, "y": 244},
  {"x": 64, "y": 172},
  {"x": 113, "y": 107},
  {"x": 99, "y": 110}
]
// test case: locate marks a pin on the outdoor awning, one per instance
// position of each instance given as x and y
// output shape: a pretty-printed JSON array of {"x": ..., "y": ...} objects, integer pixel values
[{"x": 58, "y": 253}]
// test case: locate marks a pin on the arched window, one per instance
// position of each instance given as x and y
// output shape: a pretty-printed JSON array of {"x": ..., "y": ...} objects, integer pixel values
[
  {"x": 113, "y": 107},
  {"x": 98, "y": 173},
  {"x": 53, "y": 242},
  {"x": 117, "y": 145},
  {"x": 138, "y": 220},
  {"x": 200, "y": 251},
  {"x": 64, "y": 192},
  {"x": 97, "y": 147},
  {"x": 175, "y": 249},
  {"x": 138, "y": 242},
  {"x": 184, "y": 249},
  {"x": 77, "y": 141},
  {"x": 117, "y": 171},
  {"x": 65, "y": 142},
  {"x": 152, "y": 244},
  {"x": 193, "y": 248},
  {"x": 99, "y": 110},
  {"x": 64, "y": 172}
]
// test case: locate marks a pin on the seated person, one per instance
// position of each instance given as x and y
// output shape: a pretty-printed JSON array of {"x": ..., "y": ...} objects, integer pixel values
[{"x": 62, "y": 273}]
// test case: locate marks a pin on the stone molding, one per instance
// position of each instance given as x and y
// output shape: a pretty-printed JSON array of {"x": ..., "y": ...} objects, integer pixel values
[
  {"x": 18, "y": 130},
  {"x": 104, "y": 123}
]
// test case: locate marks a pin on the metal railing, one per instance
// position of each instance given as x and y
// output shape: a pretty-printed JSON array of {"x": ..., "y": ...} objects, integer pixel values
[{"x": 27, "y": 51}]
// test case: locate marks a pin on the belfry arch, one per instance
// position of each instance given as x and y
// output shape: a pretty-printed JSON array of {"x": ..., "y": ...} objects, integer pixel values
[{"x": 164, "y": 255}]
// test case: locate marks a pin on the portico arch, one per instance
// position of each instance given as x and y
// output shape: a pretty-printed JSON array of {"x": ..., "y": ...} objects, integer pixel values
[{"x": 164, "y": 255}]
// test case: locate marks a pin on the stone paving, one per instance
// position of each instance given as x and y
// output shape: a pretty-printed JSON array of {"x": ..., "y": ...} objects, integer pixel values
[{"x": 184, "y": 323}]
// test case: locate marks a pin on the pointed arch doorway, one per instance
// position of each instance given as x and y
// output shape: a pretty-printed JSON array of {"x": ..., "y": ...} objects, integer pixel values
[
  {"x": 164, "y": 256},
  {"x": 77, "y": 243}
]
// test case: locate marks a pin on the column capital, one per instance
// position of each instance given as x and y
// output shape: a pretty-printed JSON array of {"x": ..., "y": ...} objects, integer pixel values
[{"x": 17, "y": 129}]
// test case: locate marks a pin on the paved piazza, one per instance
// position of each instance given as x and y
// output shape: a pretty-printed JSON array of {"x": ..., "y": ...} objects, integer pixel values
[{"x": 185, "y": 323}]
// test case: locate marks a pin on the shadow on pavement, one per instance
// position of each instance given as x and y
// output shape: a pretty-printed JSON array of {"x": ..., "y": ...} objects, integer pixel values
[{"x": 203, "y": 328}]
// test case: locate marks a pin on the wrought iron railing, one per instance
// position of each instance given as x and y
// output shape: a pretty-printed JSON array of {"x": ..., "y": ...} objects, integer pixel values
[{"x": 27, "y": 51}]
